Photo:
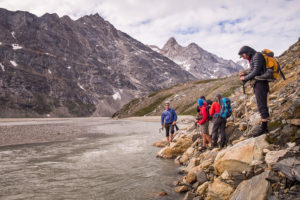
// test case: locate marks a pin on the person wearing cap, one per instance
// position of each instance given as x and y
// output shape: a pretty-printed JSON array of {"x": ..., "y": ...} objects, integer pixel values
[
  {"x": 260, "y": 87},
  {"x": 204, "y": 123},
  {"x": 168, "y": 121},
  {"x": 218, "y": 122}
]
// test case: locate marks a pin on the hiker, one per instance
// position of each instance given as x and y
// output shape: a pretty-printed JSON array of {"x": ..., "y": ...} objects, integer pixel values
[
  {"x": 168, "y": 121},
  {"x": 218, "y": 122},
  {"x": 260, "y": 87},
  {"x": 203, "y": 112}
]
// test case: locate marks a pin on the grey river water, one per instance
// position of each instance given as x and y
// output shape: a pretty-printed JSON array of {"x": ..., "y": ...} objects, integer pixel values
[{"x": 117, "y": 163}]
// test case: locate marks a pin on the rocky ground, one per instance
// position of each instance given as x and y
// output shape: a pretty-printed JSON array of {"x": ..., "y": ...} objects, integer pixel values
[{"x": 265, "y": 167}]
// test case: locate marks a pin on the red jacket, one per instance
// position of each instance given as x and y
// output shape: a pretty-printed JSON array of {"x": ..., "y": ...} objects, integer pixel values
[
  {"x": 214, "y": 109},
  {"x": 204, "y": 113}
]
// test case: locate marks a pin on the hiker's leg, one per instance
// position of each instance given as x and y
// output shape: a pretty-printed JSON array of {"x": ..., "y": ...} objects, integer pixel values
[
  {"x": 203, "y": 140},
  {"x": 209, "y": 139},
  {"x": 167, "y": 127},
  {"x": 261, "y": 90},
  {"x": 172, "y": 133},
  {"x": 215, "y": 131},
  {"x": 223, "y": 134}
]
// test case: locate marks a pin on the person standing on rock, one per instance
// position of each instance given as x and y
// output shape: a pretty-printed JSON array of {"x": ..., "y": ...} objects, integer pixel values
[
  {"x": 260, "y": 87},
  {"x": 168, "y": 121},
  {"x": 204, "y": 123},
  {"x": 218, "y": 122}
]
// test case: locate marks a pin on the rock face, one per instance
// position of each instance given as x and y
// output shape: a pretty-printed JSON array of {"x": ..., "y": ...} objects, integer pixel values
[
  {"x": 240, "y": 156},
  {"x": 200, "y": 63},
  {"x": 55, "y": 65},
  {"x": 257, "y": 188}
]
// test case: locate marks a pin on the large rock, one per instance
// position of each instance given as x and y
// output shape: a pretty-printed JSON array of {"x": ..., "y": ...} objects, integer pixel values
[
  {"x": 240, "y": 156},
  {"x": 181, "y": 189},
  {"x": 219, "y": 190},
  {"x": 257, "y": 188},
  {"x": 176, "y": 148},
  {"x": 290, "y": 167}
]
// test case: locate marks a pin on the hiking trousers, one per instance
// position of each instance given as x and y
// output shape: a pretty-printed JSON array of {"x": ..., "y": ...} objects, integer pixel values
[
  {"x": 261, "y": 89},
  {"x": 219, "y": 123}
]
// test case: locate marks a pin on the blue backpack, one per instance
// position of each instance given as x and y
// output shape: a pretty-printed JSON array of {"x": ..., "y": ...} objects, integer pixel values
[{"x": 226, "y": 110}]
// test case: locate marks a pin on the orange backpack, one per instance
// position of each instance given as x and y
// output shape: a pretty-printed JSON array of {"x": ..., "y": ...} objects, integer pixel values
[{"x": 272, "y": 64}]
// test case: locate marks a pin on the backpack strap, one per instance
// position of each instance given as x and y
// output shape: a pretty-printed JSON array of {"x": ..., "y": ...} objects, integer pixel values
[{"x": 280, "y": 71}]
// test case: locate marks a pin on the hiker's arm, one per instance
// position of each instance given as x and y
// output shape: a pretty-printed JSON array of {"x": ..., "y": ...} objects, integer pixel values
[
  {"x": 204, "y": 115},
  {"x": 258, "y": 62},
  {"x": 162, "y": 119}
]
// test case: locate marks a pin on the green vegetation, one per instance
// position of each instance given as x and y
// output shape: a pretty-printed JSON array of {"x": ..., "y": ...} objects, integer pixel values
[
  {"x": 191, "y": 111},
  {"x": 230, "y": 91},
  {"x": 152, "y": 106},
  {"x": 186, "y": 110},
  {"x": 153, "y": 94},
  {"x": 205, "y": 81},
  {"x": 270, "y": 139},
  {"x": 126, "y": 107},
  {"x": 274, "y": 125}
]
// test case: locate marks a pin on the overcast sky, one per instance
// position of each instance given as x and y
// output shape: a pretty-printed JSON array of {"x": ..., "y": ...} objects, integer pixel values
[{"x": 219, "y": 26}]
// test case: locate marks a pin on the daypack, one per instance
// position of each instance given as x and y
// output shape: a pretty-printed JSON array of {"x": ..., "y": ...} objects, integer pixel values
[
  {"x": 199, "y": 117},
  {"x": 272, "y": 64},
  {"x": 226, "y": 110}
]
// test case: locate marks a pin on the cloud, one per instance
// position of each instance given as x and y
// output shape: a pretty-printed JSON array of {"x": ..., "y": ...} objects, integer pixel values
[{"x": 218, "y": 26}]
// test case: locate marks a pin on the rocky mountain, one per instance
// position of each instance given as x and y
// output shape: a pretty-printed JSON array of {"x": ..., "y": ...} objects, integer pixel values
[
  {"x": 197, "y": 61},
  {"x": 57, "y": 66}
]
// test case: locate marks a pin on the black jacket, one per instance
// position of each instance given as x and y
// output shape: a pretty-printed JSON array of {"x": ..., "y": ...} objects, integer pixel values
[{"x": 257, "y": 62}]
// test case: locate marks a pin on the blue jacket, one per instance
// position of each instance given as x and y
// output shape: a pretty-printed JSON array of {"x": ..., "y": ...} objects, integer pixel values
[{"x": 168, "y": 116}]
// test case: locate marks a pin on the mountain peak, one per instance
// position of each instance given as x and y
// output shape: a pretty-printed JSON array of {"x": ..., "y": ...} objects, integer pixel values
[{"x": 171, "y": 44}]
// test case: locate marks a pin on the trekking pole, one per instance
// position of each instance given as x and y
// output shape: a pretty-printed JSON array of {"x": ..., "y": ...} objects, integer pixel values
[{"x": 245, "y": 102}]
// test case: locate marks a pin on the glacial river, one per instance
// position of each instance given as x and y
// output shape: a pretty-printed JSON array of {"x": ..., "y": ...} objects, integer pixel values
[{"x": 119, "y": 162}]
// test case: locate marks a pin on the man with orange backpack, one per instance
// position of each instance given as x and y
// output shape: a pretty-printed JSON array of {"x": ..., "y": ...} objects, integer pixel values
[
  {"x": 260, "y": 87},
  {"x": 203, "y": 122}
]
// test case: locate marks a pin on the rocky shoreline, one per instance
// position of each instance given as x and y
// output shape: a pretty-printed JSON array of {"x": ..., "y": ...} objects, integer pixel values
[{"x": 234, "y": 172}]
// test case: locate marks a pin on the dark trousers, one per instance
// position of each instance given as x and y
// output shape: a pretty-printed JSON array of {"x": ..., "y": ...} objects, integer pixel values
[
  {"x": 261, "y": 89},
  {"x": 169, "y": 127},
  {"x": 219, "y": 123}
]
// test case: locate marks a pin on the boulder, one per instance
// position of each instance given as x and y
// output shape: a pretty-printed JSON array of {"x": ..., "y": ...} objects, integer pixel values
[
  {"x": 175, "y": 148},
  {"x": 193, "y": 162},
  {"x": 240, "y": 156},
  {"x": 192, "y": 175},
  {"x": 243, "y": 126},
  {"x": 273, "y": 156},
  {"x": 249, "y": 189},
  {"x": 202, "y": 189},
  {"x": 219, "y": 190},
  {"x": 162, "y": 143}
]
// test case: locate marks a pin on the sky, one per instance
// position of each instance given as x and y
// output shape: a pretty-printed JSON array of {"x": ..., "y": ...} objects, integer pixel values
[{"x": 218, "y": 26}]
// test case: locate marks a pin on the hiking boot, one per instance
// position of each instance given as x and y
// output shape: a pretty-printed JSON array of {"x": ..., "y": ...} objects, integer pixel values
[{"x": 267, "y": 76}]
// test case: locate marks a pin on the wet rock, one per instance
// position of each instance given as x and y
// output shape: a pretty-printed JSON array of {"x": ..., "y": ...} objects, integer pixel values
[
  {"x": 219, "y": 190},
  {"x": 239, "y": 157},
  {"x": 290, "y": 167},
  {"x": 160, "y": 194},
  {"x": 181, "y": 189},
  {"x": 249, "y": 189},
  {"x": 189, "y": 196},
  {"x": 273, "y": 156},
  {"x": 175, "y": 148},
  {"x": 202, "y": 189},
  {"x": 160, "y": 143}
]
